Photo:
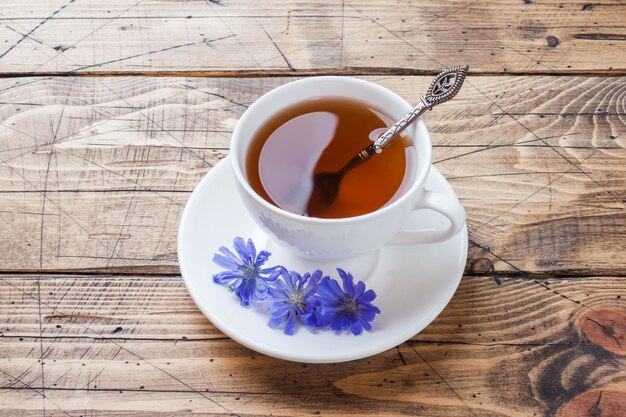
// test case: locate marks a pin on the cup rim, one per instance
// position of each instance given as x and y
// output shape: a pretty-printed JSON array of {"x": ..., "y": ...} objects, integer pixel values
[{"x": 420, "y": 176}]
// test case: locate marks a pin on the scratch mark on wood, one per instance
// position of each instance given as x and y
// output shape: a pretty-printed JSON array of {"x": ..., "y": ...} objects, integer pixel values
[
  {"x": 188, "y": 87},
  {"x": 32, "y": 38},
  {"x": 336, "y": 71},
  {"x": 401, "y": 356},
  {"x": 595, "y": 410},
  {"x": 410, "y": 45},
  {"x": 20, "y": 376},
  {"x": 544, "y": 285},
  {"x": 443, "y": 380},
  {"x": 27, "y": 35},
  {"x": 18, "y": 84},
  {"x": 571, "y": 163},
  {"x": 90, "y": 330},
  {"x": 52, "y": 385},
  {"x": 140, "y": 112},
  {"x": 487, "y": 249},
  {"x": 210, "y": 4},
  {"x": 87, "y": 386},
  {"x": 486, "y": 148},
  {"x": 286, "y": 32},
  {"x": 277, "y": 48},
  {"x": 41, "y": 355},
  {"x": 263, "y": 393},
  {"x": 69, "y": 216},
  {"x": 209, "y": 41},
  {"x": 550, "y": 192},
  {"x": 55, "y": 132},
  {"x": 38, "y": 391},
  {"x": 91, "y": 33}
]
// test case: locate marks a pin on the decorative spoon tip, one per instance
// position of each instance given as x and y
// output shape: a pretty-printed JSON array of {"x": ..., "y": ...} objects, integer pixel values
[{"x": 446, "y": 85}]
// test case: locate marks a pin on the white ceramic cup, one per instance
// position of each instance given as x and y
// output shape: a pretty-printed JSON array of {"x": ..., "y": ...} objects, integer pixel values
[{"x": 340, "y": 238}]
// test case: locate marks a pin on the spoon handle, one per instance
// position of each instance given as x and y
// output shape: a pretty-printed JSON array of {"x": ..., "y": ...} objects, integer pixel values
[
  {"x": 399, "y": 126},
  {"x": 443, "y": 88}
]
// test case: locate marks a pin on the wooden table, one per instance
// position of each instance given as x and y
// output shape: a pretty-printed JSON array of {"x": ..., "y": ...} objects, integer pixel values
[{"x": 111, "y": 112}]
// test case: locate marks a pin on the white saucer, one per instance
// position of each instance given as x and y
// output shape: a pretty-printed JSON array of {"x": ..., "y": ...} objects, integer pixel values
[{"x": 413, "y": 282}]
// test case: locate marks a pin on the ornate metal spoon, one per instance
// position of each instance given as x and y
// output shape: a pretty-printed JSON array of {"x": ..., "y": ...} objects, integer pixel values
[{"x": 326, "y": 184}]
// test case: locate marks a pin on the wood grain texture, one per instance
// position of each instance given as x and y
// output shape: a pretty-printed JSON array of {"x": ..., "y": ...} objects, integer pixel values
[
  {"x": 362, "y": 37},
  {"x": 95, "y": 172},
  {"x": 138, "y": 346}
]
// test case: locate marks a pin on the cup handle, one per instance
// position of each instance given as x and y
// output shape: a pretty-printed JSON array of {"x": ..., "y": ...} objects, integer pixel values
[{"x": 449, "y": 206}]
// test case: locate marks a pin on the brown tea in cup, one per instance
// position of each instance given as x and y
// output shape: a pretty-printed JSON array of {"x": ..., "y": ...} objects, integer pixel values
[{"x": 321, "y": 135}]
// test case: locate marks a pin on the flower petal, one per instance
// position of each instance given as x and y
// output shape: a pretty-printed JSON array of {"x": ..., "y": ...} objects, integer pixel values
[
  {"x": 240, "y": 246},
  {"x": 291, "y": 281},
  {"x": 368, "y": 308},
  {"x": 359, "y": 290},
  {"x": 311, "y": 284},
  {"x": 308, "y": 318},
  {"x": 281, "y": 311},
  {"x": 368, "y": 296},
  {"x": 329, "y": 289},
  {"x": 356, "y": 328},
  {"x": 326, "y": 316},
  {"x": 290, "y": 327},
  {"x": 274, "y": 272},
  {"x": 317, "y": 275},
  {"x": 236, "y": 284},
  {"x": 343, "y": 323},
  {"x": 251, "y": 249},
  {"x": 366, "y": 325},
  {"x": 226, "y": 262},
  {"x": 259, "y": 294},
  {"x": 302, "y": 282},
  {"x": 278, "y": 289},
  {"x": 245, "y": 293},
  {"x": 261, "y": 258},
  {"x": 275, "y": 322},
  {"x": 225, "y": 277},
  {"x": 348, "y": 281},
  {"x": 226, "y": 252}
]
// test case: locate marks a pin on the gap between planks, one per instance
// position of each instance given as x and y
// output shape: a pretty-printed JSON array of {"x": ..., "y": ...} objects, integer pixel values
[{"x": 355, "y": 71}]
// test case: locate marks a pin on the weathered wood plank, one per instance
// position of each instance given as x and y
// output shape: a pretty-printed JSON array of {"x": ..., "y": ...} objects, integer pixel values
[
  {"x": 95, "y": 172},
  {"x": 152, "y": 35},
  {"x": 138, "y": 346}
]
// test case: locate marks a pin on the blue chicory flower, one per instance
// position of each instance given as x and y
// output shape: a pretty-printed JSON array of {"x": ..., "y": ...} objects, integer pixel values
[
  {"x": 292, "y": 298},
  {"x": 347, "y": 309},
  {"x": 243, "y": 271},
  {"x": 313, "y": 300}
]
